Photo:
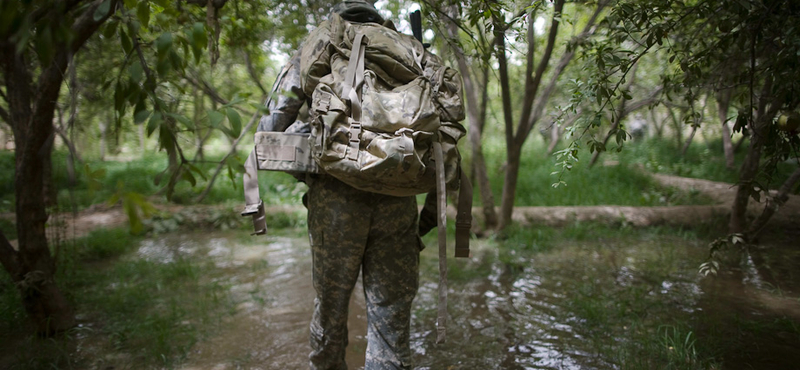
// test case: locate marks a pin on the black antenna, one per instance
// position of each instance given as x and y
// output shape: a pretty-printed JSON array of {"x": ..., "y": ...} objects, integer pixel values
[{"x": 416, "y": 27}]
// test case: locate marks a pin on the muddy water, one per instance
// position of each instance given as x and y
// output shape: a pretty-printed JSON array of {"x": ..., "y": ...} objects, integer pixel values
[{"x": 588, "y": 304}]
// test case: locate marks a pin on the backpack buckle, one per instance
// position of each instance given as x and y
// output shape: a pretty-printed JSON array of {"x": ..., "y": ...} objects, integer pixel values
[
  {"x": 323, "y": 103},
  {"x": 355, "y": 132}
]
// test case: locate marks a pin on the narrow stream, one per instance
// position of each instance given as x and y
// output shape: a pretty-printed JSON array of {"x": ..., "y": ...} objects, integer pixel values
[{"x": 589, "y": 304}]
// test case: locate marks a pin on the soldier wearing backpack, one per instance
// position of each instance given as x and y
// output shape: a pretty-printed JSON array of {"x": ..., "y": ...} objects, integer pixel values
[{"x": 352, "y": 228}]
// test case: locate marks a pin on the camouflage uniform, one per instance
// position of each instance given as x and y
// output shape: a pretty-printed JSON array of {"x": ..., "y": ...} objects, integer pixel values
[{"x": 350, "y": 231}]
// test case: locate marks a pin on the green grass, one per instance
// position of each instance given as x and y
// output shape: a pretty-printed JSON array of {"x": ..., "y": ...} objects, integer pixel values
[
  {"x": 703, "y": 160},
  {"x": 149, "y": 312},
  {"x": 622, "y": 184},
  {"x": 97, "y": 182}
]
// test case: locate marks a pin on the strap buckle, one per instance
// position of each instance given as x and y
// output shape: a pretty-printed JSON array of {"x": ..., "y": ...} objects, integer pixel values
[{"x": 355, "y": 132}]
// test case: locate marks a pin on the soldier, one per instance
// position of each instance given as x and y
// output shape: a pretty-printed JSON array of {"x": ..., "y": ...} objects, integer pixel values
[{"x": 352, "y": 231}]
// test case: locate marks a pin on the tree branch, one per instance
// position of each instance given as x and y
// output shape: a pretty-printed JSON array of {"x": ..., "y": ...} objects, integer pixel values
[
  {"x": 252, "y": 72},
  {"x": 148, "y": 73},
  {"x": 206, "y": 87},
  {"x": 40, "y": 13},
  {"x": 530, "y": 88},
  {"x": 773, "y": 204},
  {"x": 532, "y": 83},
  {"x": 245, "y": 131},
  {"x": 527, "y": 126},
  {"x": 49, "y": 82}
]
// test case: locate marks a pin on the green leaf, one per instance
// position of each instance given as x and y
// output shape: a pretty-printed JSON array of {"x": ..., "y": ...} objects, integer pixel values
[
  {"x": 261, "y": 108},
  {"x": 596, "y": 121},
  {"x": 626, "y": 95},
  {"x": 198, "y": 39},
  {"x": 111, "y": 29},
  {"x": 163, "y": 67},
  {"x": 136, "y": 71},
  {"x": 187, "y": 175},
  {"x": 140, "y": 116},
  {"x": 133, "y": 217},
  {"x": 196, "y": 170},
  {"x": 235, "y": 121},
  {"x": 164, "y": 42},
  {"x": 127, "y": 45},
  {"x": 235, "y": 164},
  {"x": 102, "y": 10},
  {"x": 215, "y": 118},
  {"x": 154, "y": 122},
  {"x": 176, "y": 60},
  {"x": 182, "y": 119},
  {"x": 143, "y": 13}
]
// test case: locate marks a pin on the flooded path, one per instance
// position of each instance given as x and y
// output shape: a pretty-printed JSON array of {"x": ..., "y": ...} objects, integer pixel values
[{"x": 590, "y": 302}]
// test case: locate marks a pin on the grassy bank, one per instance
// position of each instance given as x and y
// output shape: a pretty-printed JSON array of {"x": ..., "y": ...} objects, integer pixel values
[
  {"x": 97, "y": 182},
  {"x": 146, "y": 311}
]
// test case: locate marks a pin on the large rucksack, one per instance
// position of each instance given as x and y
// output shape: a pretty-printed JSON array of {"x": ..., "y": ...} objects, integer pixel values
[{"x": 378, "y": 108}]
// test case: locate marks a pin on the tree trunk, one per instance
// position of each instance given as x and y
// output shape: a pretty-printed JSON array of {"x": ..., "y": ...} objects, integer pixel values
[
  {"x": 31, "y": 107},
  {"x": 658, "y": 126},
  {"x": 476, "y": 118},
  {"x": 42, "y": 299},
  {"x": 509, "y": 187},
  {"x": 689, "y": 140},
  {"x": 534, "y": 101},
  {"x": 749, "y": 169},
  {"x": 49, "y": 191},
  {"x": 677, "y": 125}
]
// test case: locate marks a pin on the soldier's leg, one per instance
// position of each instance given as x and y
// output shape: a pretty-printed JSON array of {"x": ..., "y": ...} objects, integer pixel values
[
  {"x": 391, "y": 278},
  {"x": 338, "y": 236}
]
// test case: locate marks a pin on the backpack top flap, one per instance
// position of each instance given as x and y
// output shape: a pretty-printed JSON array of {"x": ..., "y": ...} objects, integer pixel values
[{"x": 395, "y": 58}]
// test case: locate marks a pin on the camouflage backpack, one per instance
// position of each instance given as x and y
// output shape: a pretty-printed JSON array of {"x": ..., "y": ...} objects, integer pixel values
[{"x": 379, "y": 103}]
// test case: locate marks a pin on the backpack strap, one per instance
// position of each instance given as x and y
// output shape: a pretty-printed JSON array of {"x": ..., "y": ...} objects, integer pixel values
[
  {"x": 352, "y": 90},
  {"x": 252, "y": 197},
  {"x": 463, "y": 216},
  {"x": 441, "y": 196}
]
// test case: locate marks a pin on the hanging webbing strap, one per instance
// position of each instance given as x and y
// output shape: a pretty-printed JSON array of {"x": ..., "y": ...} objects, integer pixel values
[
  {"x": 441, "y": 197},
  {"x": 352, "y": 90},
  {"x": 463, "y": 216},
  {"x": 252, "y": 197}
]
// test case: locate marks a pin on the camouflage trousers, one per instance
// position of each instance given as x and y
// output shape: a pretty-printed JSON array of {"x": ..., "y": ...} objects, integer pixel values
[{"x": 350, "y": 231}]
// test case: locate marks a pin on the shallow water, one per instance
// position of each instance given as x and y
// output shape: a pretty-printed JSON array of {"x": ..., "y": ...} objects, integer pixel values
[{"x": 588, "y": 304}]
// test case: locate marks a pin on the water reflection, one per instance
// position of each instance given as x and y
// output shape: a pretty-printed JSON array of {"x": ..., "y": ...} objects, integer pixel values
[{"x": 587, "y": 305}]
